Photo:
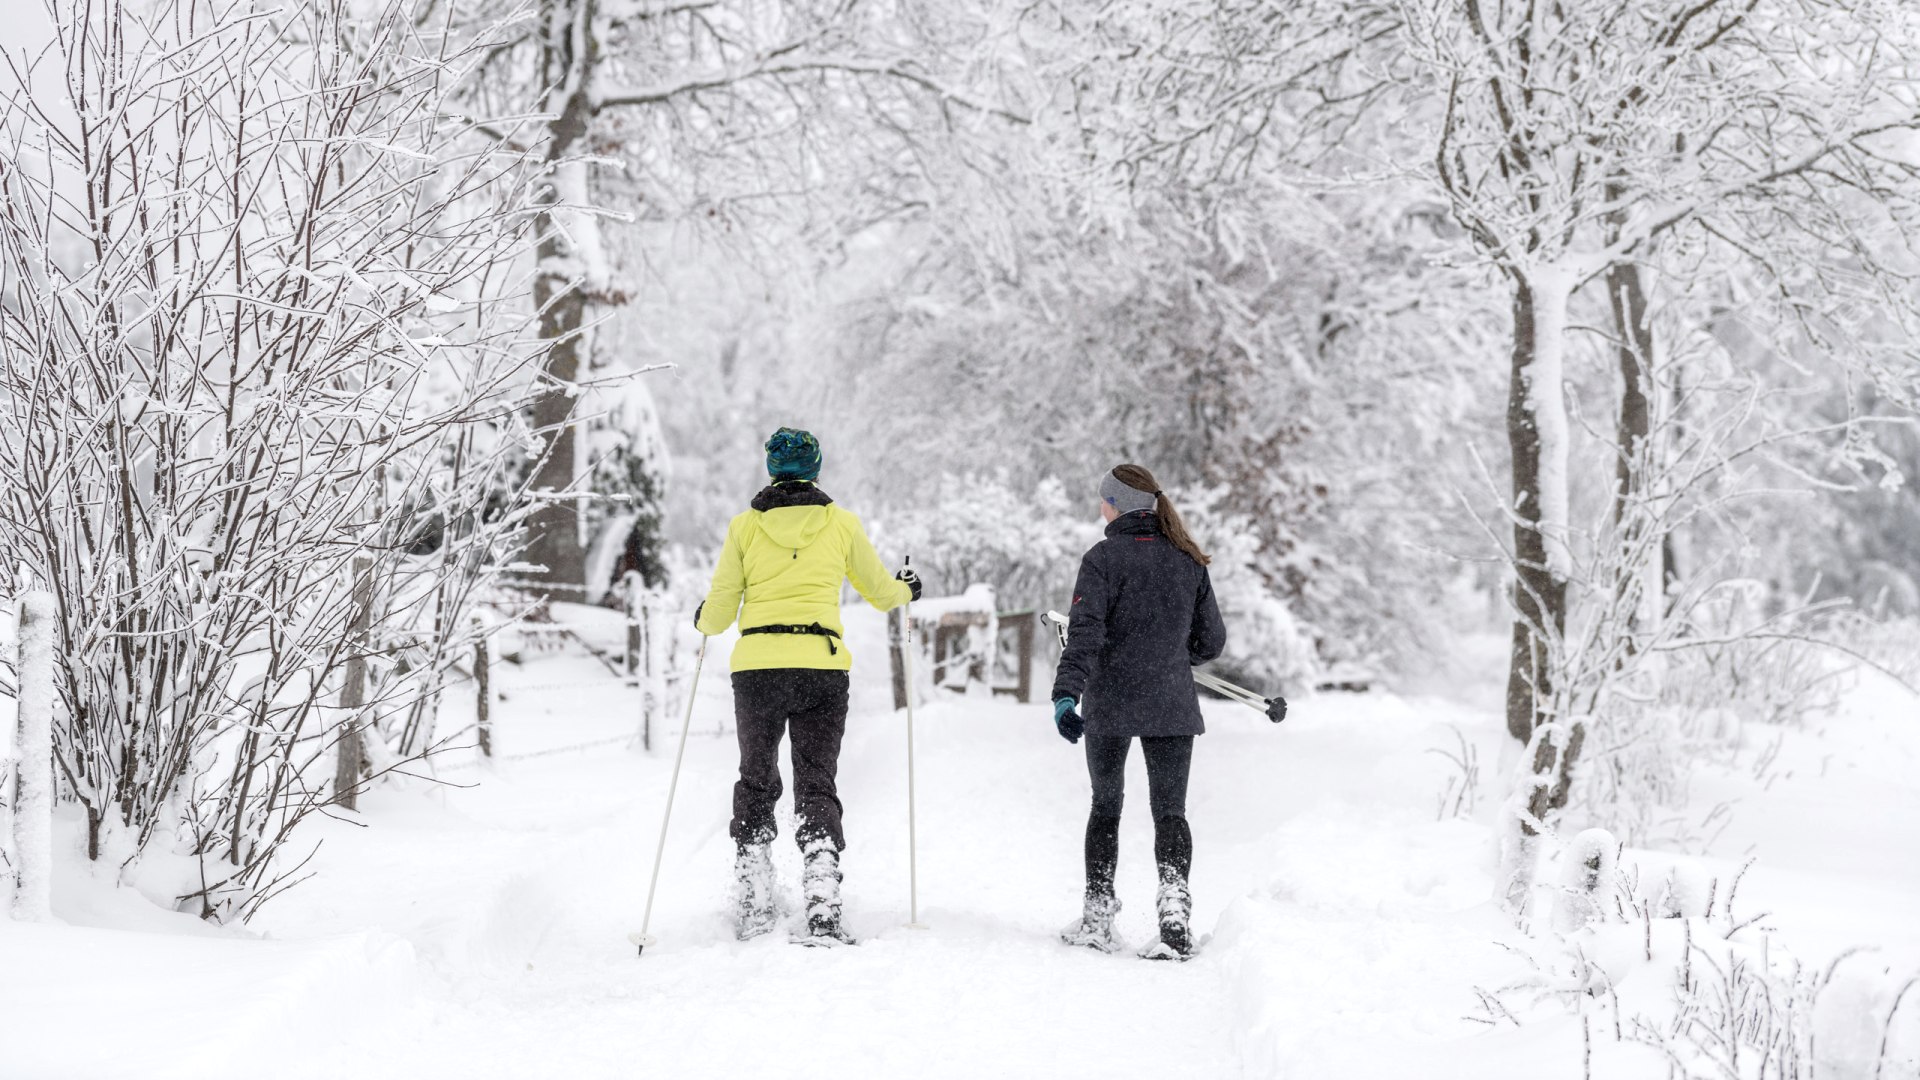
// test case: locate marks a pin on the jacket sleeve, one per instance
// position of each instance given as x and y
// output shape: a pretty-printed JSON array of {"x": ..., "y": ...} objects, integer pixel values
[
  {"x": 729, "y": 586},
  {"x": 869, "y": 575},
  {"x": 1086, "y": 629},
  {"x": 1208, "y": 638}
]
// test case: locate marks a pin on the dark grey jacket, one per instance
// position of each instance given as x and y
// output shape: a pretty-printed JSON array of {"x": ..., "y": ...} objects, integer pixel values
[{"x": 1143, "y": 616}]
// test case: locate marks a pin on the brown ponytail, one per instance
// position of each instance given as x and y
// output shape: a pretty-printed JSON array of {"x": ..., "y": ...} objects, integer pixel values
[{"x": 1140, "y": 479}]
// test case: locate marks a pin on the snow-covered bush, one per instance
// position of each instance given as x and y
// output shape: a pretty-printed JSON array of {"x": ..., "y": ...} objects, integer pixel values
[
  {"x": 1669, "y": 962},
  {"x": 1266, "y": 644},
  {"x": 973, "y": 529},
  {"x": 1892, "y": 645},
  {"x": 1714, "y": 692},
  {"x": 627, "y": 462},
  {"x": 251, "y": 407}
]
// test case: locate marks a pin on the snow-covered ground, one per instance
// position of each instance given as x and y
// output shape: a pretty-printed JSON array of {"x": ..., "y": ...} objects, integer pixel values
[{"x": 480, "y": 930}]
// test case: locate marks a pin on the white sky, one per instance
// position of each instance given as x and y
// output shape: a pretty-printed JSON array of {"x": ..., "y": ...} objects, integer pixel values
[{"x": 23, "y": 24}]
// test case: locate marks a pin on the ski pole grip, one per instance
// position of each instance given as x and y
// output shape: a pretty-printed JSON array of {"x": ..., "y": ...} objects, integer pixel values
[{"x": 1059, "y": 622}]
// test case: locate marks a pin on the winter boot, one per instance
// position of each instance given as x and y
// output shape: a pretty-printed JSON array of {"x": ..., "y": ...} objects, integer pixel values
[
  {"x": 753, "y": 906},
  {"x": 1094, "y": 928},
  {"x": 1176, "y": 912},
  {"x": 820, "y": 881}
]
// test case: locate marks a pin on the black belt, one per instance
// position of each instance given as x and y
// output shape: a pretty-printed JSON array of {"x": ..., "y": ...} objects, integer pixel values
[{"x": 795, "y": 628}]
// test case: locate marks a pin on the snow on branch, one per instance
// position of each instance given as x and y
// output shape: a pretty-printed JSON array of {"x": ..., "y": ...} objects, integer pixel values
[{"x": 778, "y": 62}]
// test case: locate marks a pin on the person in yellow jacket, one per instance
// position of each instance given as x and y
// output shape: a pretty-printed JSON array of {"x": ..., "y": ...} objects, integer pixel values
[{"x": 779, "y": 574}]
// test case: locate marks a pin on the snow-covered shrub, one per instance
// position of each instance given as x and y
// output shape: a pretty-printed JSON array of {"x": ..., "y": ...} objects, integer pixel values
[
  {"x": 628, "y": 473},
  {"x": 1669, "y": 961},
  {"x": 1892, "y": 645},
  {"x": 1586, "y": 881},
  {"x": 1708, "y": 694},
  {"x": 1266, "y": 644},
  {"x": 981, "y": 529},
  {"x": 251, "y": 401}
]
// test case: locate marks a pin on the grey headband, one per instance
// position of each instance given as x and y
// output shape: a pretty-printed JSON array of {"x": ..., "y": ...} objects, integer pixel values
[{"x": 1124, "y": 497}]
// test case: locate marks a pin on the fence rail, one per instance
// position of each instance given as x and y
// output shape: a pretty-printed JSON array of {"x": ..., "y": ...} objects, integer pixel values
[{"x": 645, "y": 664}]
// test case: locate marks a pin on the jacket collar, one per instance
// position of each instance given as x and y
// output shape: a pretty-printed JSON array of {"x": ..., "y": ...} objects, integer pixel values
[
  {"x": 1138, "y": 523},
  {"x": 790, "y": 493}
]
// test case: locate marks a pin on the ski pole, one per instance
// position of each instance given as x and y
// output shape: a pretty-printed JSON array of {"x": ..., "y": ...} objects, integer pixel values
[
  {"x": 1274, "y": 707},
  {"x": 913, "y": 851},
  {"x": 643, "y": 939}
]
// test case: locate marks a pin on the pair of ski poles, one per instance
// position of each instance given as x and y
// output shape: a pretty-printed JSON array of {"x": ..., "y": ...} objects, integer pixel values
[
  {"x": 1275, "y": 708},
  {"x": 642, "y": 939}
]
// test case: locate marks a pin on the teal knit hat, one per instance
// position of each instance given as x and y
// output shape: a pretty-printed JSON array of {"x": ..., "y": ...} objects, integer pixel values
[{"x": 793, "y": 454}]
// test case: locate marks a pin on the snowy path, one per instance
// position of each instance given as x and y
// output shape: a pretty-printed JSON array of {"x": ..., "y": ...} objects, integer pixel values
[{"x": 480, "y": 931}]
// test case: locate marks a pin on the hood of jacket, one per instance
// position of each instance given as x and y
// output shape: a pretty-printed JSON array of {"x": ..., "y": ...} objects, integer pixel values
[{"x": 792, "y": 514}]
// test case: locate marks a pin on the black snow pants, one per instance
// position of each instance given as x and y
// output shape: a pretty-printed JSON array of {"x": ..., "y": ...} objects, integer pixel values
[
  {"x": 766, "y": 704},
  {"x": 1169, "y": 759}
]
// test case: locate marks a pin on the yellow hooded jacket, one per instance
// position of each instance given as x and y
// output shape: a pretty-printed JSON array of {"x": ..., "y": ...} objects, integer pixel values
[{"x": 782, "y": 564}]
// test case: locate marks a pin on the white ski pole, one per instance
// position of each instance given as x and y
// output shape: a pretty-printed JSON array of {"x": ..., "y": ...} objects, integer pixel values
[
  {"x": 1275, "y": 708},
  {"x": 913, "y": 851},
  {"x": 643, "y": 939}
]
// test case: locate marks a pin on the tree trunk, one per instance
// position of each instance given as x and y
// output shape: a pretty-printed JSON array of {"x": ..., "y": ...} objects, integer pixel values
[
  {"x": 1626, "y": 292},
  {"x": 1642, "y": 573},
  {"x": 353, "y": 691},
  {"x": 1536, "y": 434},
  {"x": 553, "y": 529}
]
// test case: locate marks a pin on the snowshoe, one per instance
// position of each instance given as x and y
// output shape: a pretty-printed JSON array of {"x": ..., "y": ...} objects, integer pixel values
[
  {"x": 754, "y": 911},
  {"x": 1175, "y": 904},
  {"x": 823, "y": 936},
  {"x": 1161, "y": 949},
  {"x": 1094, "y": 928},
  {"x": 820, "y": 882}
]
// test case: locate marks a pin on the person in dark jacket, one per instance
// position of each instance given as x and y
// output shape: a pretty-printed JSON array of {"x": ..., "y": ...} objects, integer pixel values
[{"x": 1143, "y": 616}]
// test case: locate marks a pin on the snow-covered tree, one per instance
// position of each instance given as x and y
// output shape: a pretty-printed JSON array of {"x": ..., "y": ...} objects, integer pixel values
[
  {"x": 253, "y": 348},
  {"x": 1577, "y": 139},
  {"x": 707, "y": 107}
]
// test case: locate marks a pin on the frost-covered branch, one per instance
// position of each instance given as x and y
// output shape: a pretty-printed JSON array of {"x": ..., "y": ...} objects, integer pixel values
[{"x": 780, "y": 62}]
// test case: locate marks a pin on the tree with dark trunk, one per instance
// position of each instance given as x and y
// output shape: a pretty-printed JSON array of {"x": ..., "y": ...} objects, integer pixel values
[{"x": 788, "y": 67}]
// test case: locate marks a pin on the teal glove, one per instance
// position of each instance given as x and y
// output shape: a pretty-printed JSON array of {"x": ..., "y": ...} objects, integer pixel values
[{"x": 1067, "y": 720}]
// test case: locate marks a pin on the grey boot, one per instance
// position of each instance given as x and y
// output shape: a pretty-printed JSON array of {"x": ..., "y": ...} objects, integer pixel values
[
  {"x": 820, "y": 882},
  {"x": 1094, "y": 928},
  {"x": 753, "y": 905}
]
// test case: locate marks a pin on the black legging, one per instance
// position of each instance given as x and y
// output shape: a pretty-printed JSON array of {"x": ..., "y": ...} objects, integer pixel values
[{"x": 1168, "y": 761}]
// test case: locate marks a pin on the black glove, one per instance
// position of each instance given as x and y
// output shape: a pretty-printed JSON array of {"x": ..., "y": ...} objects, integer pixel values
[
  {"x": 912, "y": 579},
  {"x": 1066, "y": 719},
  {"x": 696, "y": 614},
  {"x": 1276, "y": 709}
]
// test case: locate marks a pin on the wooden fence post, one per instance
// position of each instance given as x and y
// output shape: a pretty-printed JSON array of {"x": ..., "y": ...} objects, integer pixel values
[
  {"x": 32, "y": 794},
  {"x": 640, "y": 656},
  {"x": 483, "y": 684},
  {"x": 1027, "y": 626},
  {"x": 629, "y": 603},
  {"x": 894, "y": 636},
  {"x": 659, "y": 642}
]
